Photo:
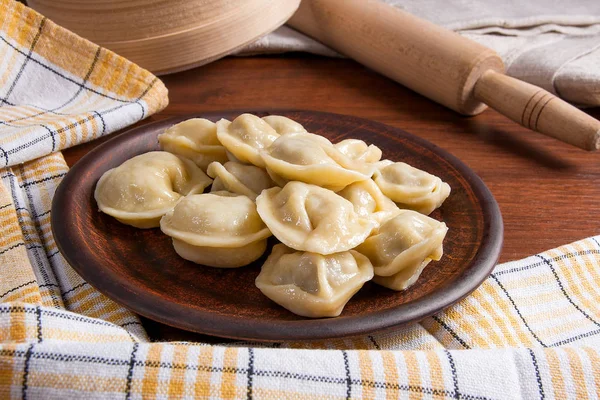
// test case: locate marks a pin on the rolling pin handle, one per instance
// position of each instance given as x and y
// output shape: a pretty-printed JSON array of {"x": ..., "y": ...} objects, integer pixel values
[{"x": 538, "y": 110}]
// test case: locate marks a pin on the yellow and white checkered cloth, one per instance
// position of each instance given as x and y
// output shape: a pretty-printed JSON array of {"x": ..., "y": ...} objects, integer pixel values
[{"x": 531, "y": 331}]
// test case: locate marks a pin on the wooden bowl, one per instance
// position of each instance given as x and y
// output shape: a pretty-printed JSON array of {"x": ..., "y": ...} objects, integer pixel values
[
  {"x": 140, "y": 270},
  {"x": 169, "y": 36}
]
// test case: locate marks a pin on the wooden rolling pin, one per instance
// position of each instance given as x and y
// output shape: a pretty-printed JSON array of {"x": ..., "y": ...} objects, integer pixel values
[{"x": 440, "y": 64}]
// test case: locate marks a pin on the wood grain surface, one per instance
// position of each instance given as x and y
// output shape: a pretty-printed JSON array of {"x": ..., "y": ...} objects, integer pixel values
[{"x": 547, "y": 191}]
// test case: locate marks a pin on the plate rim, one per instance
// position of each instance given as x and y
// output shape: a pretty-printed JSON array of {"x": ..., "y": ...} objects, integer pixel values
[{"x": 162, "y": 310}]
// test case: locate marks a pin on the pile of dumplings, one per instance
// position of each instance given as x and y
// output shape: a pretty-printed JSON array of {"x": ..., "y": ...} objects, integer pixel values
[{"x": 341, "y": 214}]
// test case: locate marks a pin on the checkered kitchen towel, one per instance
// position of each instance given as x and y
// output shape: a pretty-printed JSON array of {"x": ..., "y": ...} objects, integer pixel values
[{"x": 532, "y": 330}]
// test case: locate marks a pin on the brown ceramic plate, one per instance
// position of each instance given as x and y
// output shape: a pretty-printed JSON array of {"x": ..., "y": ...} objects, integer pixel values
[{"x": 139, "y": 268}]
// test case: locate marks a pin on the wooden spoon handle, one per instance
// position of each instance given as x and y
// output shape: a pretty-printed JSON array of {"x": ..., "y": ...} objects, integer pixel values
[{"x": 538, "y": 110}]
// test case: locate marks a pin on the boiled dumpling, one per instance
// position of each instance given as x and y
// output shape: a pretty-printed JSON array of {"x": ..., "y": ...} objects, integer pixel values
[
  {"x": 216, "y": 230},
  {"x": 313, "y": 285},
  {"x": 358, "y": 150},
  {"x": 402, "y": 247},
  {"x": 404, "y": 240},
  {"x": 369, "y": 202},
  {"x": 245, "y": 137},
  {"x": 239, "y": 178},
  {"x": 195, "y": 139},
  {"x": 309, "y": 218},
  {"x": 411, "y": 187},
  {"x": 312, "y": 159},
  {"x": 142, "y": 189},
  {"x": 283, "y": 125}
]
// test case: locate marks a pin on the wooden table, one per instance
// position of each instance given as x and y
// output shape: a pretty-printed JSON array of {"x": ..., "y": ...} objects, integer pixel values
[{"x": 548, "y": 192}]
